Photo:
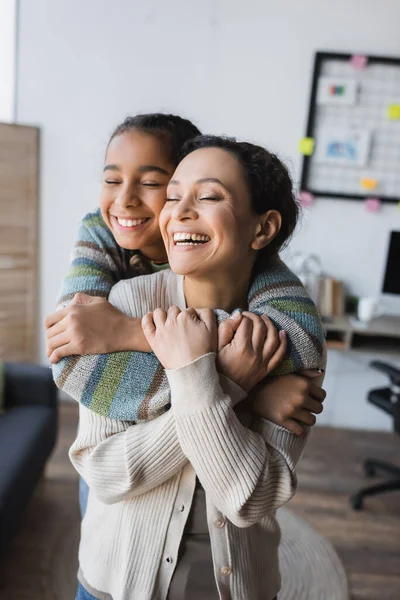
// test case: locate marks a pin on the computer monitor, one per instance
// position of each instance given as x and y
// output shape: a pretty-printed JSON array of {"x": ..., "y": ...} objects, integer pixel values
[{"x": 391, "y": 281}]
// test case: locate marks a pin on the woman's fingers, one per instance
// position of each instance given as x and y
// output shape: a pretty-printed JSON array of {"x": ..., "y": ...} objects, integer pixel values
[
  {"x": 272, "y": 361},
  {"x": 148, "y": 326},
  {"x": 159, "y": 317},
  {"x": 172, "y": 313},
  {"x": 227, "y": 330},
  {"x": 272, "y": 341},
  {"x": 244, "y": 333},
  {"x": 259, "y": 331}
]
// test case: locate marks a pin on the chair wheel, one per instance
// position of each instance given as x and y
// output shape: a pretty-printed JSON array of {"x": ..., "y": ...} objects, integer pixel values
[
  {"x": 369, "y": 470},
  {"x": 356, "y": 502}
]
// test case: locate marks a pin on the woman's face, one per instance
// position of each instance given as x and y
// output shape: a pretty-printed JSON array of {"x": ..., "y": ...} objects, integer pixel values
[
  {"x": 135, "y": 177},
  {"x": 208, "y": 224}
]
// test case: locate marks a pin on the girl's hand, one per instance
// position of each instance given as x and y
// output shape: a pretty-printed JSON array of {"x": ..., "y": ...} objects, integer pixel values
[
  {"x": 178, "y": 338},
  {"x": 290, "y": 400},
  {"x": 91, "y": 325},
  {"x": 249, "y": 349}
]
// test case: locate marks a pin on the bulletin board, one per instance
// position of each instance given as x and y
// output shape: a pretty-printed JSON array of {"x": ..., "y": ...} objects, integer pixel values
[{"x": 352, "y": 144}]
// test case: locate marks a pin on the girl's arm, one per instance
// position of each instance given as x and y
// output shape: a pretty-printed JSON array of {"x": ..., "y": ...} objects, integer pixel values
[{"x": 98, "y": 263}]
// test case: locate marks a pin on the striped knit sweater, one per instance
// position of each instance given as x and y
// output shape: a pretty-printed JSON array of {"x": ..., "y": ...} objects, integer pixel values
[
  {"x": 142, "y": 479},
  {"x": 132, "y": 385}
]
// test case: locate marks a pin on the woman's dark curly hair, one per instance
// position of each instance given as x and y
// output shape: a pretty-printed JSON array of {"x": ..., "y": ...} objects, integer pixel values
[{"x": 268, "y": 180}]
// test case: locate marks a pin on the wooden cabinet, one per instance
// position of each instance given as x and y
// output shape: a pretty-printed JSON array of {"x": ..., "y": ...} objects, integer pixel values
[{"x": 19, "y": 273}]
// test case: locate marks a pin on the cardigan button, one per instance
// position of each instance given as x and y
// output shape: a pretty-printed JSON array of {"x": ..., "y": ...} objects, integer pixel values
[
  {"x": 226, "y": 571},
  {"x": 169, "y": 560},
  {"x": 220, "y": 522}
]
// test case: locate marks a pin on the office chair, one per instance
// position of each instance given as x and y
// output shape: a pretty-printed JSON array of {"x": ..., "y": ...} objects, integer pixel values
[{"x": 387, "y": 399}]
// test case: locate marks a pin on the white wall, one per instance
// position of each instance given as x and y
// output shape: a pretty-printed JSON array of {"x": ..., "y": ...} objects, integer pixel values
[
  {"x": 7, "y": 58},
  {"x": 241, "y": 68}
]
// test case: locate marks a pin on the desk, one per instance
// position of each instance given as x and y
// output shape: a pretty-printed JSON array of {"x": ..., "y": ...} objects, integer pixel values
[{"x": 341, "y": 330}]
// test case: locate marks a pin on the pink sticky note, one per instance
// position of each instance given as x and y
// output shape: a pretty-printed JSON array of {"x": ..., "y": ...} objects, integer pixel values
[
  {"x": 359, "y": 61},
  {"x": 373, "y": 205},
  {"x": 305, "y": 199}
]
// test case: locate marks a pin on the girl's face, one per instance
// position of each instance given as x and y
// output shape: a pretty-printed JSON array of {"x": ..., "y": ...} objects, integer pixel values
[
  {"x": 135, "y": 177},
  {"x": 208, "y": 224}
]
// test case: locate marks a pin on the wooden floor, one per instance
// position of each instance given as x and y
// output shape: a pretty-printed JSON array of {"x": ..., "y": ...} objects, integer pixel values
[{"x": 367, "y": 541}]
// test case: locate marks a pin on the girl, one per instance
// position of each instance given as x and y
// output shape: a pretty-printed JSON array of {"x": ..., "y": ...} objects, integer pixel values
[{"x": 229, "y": 210}]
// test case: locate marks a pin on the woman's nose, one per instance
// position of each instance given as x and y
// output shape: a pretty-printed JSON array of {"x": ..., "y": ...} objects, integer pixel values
[{"x": 185, "y": 209}]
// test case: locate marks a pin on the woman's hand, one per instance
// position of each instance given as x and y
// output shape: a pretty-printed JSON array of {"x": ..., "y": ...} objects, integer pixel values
[
  {"x": 249, "y": 348},
  {"x": 178, "y": 338},
  {"x": 290, "y": 400},
  {"x": 91, "y": 325}
]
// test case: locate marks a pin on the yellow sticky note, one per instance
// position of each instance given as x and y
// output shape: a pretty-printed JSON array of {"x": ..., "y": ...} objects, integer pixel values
[
  {"x": 368, "y": 183},
  {"x": 393, "y": 111},
  {"x": 306, "y": 146}
]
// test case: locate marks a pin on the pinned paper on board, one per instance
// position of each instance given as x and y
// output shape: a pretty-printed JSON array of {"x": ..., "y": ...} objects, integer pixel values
[
  {"x": 305, "y": 199},
  {"x": 337, "y": 91},
  {"x": 368, "y": 183},
  {"x": 306, "y": 146},
  {"x": 359, "y": 61},
  {"x": 343, "y": 147},
  {"x": 393, "y": 112},
  {"x": 373, "y": 205}
]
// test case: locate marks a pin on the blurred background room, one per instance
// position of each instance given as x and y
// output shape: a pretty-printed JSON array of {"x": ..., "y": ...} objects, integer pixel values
[{"x": 316, "y": 82}]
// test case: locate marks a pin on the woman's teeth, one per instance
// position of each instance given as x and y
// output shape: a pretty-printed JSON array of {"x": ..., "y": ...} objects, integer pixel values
[
  {"x": 130, "y": 222},
  {"x": 189, "y": 239}
]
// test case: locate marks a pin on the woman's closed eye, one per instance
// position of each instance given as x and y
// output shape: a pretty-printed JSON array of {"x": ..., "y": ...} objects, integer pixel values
[{"x": 212, "y": 198}]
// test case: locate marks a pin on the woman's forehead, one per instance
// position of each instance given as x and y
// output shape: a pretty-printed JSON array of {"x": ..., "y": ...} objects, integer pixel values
[{"x": 210, "y": 163}]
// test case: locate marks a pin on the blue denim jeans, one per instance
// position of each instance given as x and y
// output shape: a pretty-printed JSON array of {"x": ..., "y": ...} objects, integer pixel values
[
  {"x": 83, "y": 496},
  {"x": 82, "y": 594}
]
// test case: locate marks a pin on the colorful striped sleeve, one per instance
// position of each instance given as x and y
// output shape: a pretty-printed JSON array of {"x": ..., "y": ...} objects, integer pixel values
[{"x": 97, "y": 263}]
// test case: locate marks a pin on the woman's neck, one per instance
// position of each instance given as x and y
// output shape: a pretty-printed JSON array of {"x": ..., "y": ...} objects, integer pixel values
[{"x": 226, "y": 293}]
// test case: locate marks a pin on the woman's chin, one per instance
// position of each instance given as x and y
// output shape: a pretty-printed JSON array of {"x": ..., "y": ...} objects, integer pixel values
[{"x": 182, "y": 265}]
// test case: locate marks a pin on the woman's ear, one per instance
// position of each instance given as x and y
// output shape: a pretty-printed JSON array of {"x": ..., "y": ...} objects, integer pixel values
[{"x": 267, "y": 229}]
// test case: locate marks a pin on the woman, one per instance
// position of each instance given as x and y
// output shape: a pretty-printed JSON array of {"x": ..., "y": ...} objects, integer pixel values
[{"x": 227, "y": 211}]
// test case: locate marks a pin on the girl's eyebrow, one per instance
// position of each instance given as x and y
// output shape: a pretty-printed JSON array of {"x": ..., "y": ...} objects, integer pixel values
[
  {"x": 148, "y": 168},
  {"x": 142, "y": 169}
]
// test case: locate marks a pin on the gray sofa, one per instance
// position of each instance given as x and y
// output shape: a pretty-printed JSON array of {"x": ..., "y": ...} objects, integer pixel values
[{"x": 28, "y": 432}]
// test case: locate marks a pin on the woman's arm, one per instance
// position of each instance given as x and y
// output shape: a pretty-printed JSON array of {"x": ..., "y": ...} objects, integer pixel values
[
  {"x": 119, "y": 460},
  {"x": 246, "y": 472}
]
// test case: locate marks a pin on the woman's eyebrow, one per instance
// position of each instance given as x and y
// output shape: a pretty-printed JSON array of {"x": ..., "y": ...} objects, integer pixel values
[{"x": 202, "y": 180}]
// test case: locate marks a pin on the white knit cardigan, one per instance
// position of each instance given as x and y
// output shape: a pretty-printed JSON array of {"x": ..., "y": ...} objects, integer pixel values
[{"x": 142, "y": 479}]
